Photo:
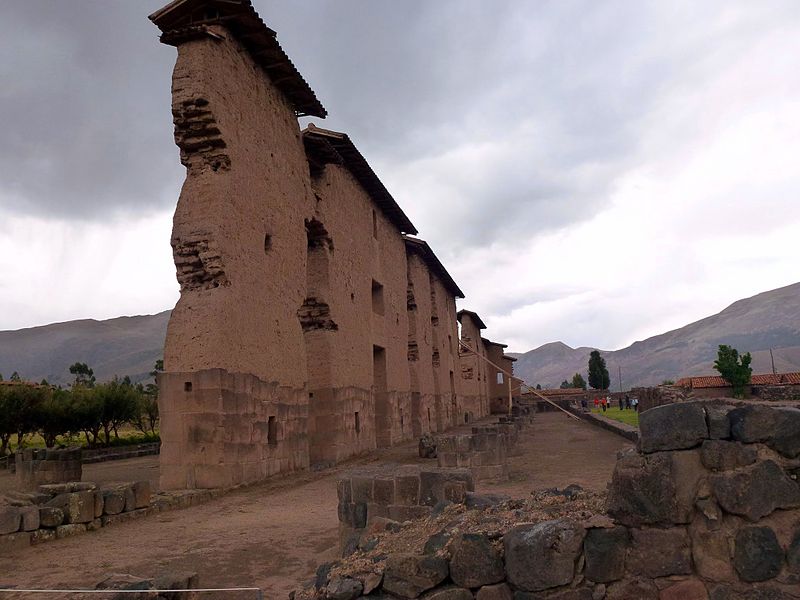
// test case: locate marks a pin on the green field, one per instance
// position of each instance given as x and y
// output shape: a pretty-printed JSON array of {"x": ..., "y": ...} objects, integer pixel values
[{"x": 629, "y": 417}]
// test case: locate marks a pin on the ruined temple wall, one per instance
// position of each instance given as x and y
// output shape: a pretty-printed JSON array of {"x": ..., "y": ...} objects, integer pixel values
[
  {"x": 366, "y": 248},
  {"x": 239, "y": 246},
  {"x": 247, "y": 178},
  {"x": 475, "y": 390},
  {"x": 447, "y": 369},
  {"x": 424, "y": 386}
]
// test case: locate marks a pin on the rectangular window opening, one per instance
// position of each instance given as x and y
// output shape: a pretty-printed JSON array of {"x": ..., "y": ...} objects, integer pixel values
[
  {"x": 358, "y": 424},
  {"x": 187, "y": 387},
  {"x": 374, "y": 224},
  {"x": 272, "y": 431},
  {"x": 500, "y": 378},
  {"x": 377, "y": 298}
]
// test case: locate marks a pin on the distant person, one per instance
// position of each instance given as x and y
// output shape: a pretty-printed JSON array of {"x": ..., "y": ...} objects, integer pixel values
[
  {"x": 604, "y": 403},
  {"x": 596, "y": 403},
  {"x": 584, "y": 405},
  {"x": 627, "y": 401},
  {"x": 621, "y": 403},
  {"x": 635, "y": 403}
]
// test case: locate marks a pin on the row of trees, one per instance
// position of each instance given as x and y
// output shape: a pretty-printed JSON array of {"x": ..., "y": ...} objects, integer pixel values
[{"x": 94, "y": 410}]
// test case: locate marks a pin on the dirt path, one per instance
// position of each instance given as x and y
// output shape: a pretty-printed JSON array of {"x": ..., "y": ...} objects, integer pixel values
[{"x": 274, "y": 535}]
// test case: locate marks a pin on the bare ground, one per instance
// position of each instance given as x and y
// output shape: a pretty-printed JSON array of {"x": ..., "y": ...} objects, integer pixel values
[{"x": 273, "y": 536}]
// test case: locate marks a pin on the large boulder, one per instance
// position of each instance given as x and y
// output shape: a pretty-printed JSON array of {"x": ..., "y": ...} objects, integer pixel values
[
  {"x": 672, "y": 427},
  {"x": 78, "y": 507},
  {"x": 408, "y": 575},
  {"x": 343, "y": 588},
  {"x": 449, "y": 592},
  {"x": 754, "y": 492},
  {"x": 605, "y": 550},
  {"x": 758, "y": 555},
  {"x": 476, "y": 561},
  {"x": 659, "y": 552},
  {"x": 793, "y": 553},
  {"x": 542, "y": 556}
]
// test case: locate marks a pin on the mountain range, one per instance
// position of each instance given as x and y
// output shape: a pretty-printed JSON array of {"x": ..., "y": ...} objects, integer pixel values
[
  {"x": 131, "y": 345},
  {"x": 770, "y": 320}
]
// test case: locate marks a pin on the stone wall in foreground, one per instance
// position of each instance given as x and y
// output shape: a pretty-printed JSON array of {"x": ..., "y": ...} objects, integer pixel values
[{"x": 708, "y": 508}]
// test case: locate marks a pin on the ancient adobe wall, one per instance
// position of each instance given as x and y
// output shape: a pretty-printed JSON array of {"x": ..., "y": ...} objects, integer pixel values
[
  {"x": 473, "y": 373},
  {"x": 367, "y": 298},
  {"x": 426, "y": 391},
  {"x": 498, "y": 381},
  {"x": 239, "y": 245},
  {"x": 446, "y": 366}
]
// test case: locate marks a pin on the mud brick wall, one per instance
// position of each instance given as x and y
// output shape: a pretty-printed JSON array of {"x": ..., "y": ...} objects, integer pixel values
[
  {"x": 484, "y": 453},
  {"x": 397, "y": 493},
  {"x": 35, "y": 467},
  {"x": 707, "y": 509}
]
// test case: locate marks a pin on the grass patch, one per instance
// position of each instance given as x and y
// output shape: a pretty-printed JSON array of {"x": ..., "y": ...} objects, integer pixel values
[{"x": 629, "y": 417}]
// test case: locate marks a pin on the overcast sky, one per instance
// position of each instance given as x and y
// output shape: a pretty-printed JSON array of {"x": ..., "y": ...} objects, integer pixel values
[{"x": 591, "y": 172}]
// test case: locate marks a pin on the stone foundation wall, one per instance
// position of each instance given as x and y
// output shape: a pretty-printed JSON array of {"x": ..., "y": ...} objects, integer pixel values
[
  {"x": 484, "y": 452},
  {"x": 776, "y": 392},
  {"x": 707, "y": 509},
  {"x": 221, "y": 429},
  {"x": 35, "y": 467},
  {"x": 396, "y": 493},
  {"x": 56, "y": 511}
]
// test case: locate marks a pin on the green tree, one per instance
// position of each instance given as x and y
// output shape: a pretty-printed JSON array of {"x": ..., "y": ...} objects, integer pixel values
[
  {"x": 7, "y": 425},
  {"x": 734, "y": 369},
  {"x": 84, "y": 375},
  {"x": 56, "y": 416},
  {"x": 88, "y": 413},
  {"x": 120, "y": 404},
  {"x": 598, "y": 373},
  {"x": 22, "y": 407},
  {"x": 565, "y": 384},
  {"x": 538, "y": 386},
  {"x": 578, "y": 381},
  {"x": 15, "y": 377}
]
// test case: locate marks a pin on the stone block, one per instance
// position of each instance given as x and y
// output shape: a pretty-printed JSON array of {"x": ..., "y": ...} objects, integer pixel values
[
  {"x": 70, "y": 530},
  {"x": 10, "y": 519},
  {"x": 407, "y": 490},
  {"x": 756, "y": 491},
  {"x": 432, "y": 484},
  {"x": 542, "y": 556},
  {"x": 567, "y": 594},
  {"x": 78, "y": 507},
  {"x": 675, "y": 426},
  {"x": 643, "y": 491},
  {"x": 408, "y": 575},
  {"x": 125, "y": 516},
  {"x": 632, "y": 589},
  {"x": 659, "y": 552},
  {"x": 50, "y": 516},
  {"x": 498, "y": 591},
  {"x": 711, "y": 551},
  {"x": 605, "y": 550},
  {"x": 383, "y": 491},
  {"x": 720, "y": 455},
  {"x": 94, "y": 525},
  {"x": 778, "y": 427},
  {"x": 113, "y": 501},
  {"x": 99, "y": 504},
  {"x": 141, "y": 494},
  {"x": 362, "y": 487},
  {"x": 449, "y": 592},
  {"x": 691, "y": 589},
  {"x": 55, "y": 489},
  {"x": 343, "y": 588},
  {"x": 719, "y": 426},
  {"x": 757, "y": 556},
  {"x": 476, "y": 561},
  {"x": 30, "y": 518}
]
